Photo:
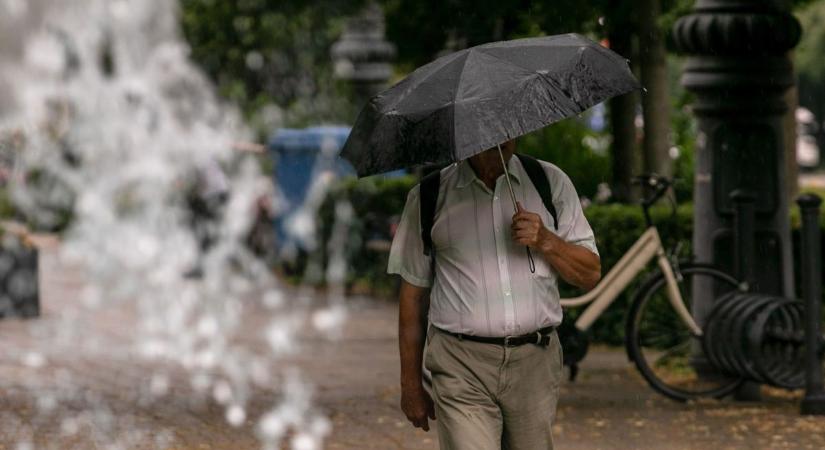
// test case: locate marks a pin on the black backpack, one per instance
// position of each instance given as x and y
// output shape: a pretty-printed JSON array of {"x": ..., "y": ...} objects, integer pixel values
[{"x": 429, "y": 195}]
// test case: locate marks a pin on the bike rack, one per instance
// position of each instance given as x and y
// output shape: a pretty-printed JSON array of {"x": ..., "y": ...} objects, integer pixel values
[
  {"x": 757, "y": 337},
  {"x": 767, "y": 338}
]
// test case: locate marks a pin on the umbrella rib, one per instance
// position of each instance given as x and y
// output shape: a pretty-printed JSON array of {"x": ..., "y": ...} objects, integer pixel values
[
  {"x": 537, "y": 41},
  {"x": 507, "y": 61},
  {"x": 600, "y": 50},
  {"x": 426, "y": 77},
  {"x": 548, "y": 79},
  {"x": 544, "y": 77}
]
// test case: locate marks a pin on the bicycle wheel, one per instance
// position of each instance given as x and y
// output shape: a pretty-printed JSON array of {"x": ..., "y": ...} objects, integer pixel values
[{"x": 663, "y": 347}]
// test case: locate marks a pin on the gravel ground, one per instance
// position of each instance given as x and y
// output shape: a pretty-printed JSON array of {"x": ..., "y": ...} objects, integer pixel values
[{"x": 355, "y": 378}]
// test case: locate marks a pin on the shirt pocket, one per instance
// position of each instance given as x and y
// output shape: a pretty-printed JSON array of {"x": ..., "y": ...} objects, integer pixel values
[{"x": 543, "y": 268}]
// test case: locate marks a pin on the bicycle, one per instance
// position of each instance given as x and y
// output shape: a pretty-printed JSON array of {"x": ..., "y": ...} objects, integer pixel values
[{"x": 661, "y": 336}]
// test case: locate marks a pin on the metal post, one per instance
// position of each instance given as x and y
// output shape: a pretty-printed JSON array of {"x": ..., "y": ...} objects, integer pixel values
[
  {"x": 814, "y": 401},
  {"x": 744, "y": 242}
]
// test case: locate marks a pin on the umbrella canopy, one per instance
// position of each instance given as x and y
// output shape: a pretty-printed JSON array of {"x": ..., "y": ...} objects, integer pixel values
[{"x": 471, "y": 100}]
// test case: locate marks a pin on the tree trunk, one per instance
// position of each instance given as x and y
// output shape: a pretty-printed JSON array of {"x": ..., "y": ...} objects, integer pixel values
[
  {"x": 656, "y": 101},
  {"x": 622, "y": 123}
]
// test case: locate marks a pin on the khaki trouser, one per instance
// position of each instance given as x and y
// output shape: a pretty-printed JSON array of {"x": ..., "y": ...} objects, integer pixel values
[{"x": 490, "y": 397}]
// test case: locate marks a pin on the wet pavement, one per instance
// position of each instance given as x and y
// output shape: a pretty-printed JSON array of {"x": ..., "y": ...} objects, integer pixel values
[{"x": 356, "y": 386}]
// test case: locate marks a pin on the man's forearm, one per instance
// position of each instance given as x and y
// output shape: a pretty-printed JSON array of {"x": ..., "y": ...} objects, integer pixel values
[
  {"x": 575, "y": 264},
  {"x": 414, "y": 304}
]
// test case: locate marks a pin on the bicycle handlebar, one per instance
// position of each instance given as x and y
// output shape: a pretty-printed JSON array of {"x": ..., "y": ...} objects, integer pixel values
[
  {"x": 651, "y": 181},
  {"x": 659, "y": 185}
]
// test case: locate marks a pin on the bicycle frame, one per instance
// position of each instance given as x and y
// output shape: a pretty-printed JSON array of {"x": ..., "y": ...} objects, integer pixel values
[{"x": 647, "y": 247}]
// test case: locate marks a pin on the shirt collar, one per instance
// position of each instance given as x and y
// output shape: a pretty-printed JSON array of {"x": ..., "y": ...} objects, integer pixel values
[{"x": 466, "y": 174}]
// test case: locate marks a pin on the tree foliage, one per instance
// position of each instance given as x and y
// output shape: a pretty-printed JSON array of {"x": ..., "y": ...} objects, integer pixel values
[
  {"x": 421, "y": 28},
  {"x": 263, "y": 52}
]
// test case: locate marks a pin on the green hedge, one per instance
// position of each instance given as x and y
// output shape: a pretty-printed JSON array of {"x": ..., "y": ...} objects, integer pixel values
[{"x": 616, "y": 226}]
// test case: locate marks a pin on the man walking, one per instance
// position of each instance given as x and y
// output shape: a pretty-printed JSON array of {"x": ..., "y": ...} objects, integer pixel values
[{"x": 493, "y": 351}]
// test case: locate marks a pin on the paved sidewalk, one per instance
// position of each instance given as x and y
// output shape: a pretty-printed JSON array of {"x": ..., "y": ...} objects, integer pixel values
[{"x": 356, "y": 378}]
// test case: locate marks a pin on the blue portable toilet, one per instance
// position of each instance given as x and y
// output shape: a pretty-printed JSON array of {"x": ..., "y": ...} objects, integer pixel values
[
  {"x": 301, "y": 156},
  {"x": 306, "y": 158}
]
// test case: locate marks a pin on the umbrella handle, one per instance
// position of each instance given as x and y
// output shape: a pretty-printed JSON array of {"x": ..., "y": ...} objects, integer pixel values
[
  {"x": 530, "y": 260},
  {"x": 513, "y": 197}
]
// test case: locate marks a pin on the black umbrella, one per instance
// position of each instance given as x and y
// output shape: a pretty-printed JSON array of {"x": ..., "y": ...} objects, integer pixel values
[{"x": 474, "y": 99}]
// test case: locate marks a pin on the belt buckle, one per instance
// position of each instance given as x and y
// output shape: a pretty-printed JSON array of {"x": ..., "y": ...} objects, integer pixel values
[
  {"x": 507, "y": 341},
  {"x": 539, "y": 337}
]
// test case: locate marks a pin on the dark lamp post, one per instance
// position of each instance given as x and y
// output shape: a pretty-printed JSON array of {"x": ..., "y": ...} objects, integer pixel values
[{"x": 739, "y": 69}]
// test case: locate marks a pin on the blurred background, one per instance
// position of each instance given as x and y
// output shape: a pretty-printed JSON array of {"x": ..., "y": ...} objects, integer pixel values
[{"x": 231, "y": 114}]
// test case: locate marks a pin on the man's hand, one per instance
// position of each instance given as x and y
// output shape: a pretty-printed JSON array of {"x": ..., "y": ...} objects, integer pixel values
[
  {"x": 528, "y": 229},
  {"x": 417, "y": 406},
  {"x": 413, "y": 305},
  {"x": 576, "y": 264}
]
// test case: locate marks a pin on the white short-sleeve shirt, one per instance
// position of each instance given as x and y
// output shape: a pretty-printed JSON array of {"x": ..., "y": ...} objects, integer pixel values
[{"x": 480, "y": 281}]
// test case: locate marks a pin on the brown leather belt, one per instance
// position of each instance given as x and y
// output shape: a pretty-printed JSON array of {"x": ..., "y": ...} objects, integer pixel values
[{"x": 538, "y": 337}]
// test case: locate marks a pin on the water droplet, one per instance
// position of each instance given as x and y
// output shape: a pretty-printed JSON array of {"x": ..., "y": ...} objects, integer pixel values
[
  {"x": 236, "y": 415},
  {"x": 304, "y": 441},
  {"x": 329, "y": 319},
  {"x": 34, "y": 360},
  {"x": 222, "y": 392},
  {"x": 207, "y": 326},
  {"x": 272, "y": 427}
]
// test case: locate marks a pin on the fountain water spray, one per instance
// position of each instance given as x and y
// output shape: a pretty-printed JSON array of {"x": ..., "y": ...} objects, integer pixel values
[{"x": 113, "y": 131}]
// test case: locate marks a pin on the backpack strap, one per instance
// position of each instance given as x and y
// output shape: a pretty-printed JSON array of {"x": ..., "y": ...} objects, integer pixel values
[
  {"x": 539, "y": 179},
  {"x": 428, "y": 198}
]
